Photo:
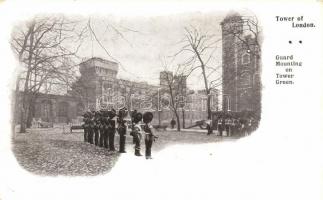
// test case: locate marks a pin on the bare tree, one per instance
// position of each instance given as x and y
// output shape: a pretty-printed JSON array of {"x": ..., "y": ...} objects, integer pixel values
[
  {"x": 42, "y": 46},
  {"x": 174, "y": 85},
  {"x": 200, "y": 46}
]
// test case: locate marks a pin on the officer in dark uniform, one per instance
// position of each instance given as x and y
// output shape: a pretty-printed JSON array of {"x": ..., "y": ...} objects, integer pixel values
[
  {"x": 137, "y": 132},
  {"x": 111, "y": 129},
  {"x": 122, "y": 129},
  {"x": 149, "y": 136}
]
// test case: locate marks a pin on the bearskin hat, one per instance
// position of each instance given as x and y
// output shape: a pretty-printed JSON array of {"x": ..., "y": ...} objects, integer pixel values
[
  {"x": 123, "y": 112},
  {"x": 112, "y": 113},
  {"x": 132, "y": 114},
  {"x": 147, "y": 117},
  {"x": 85, "y": 115},
  {"x": 97, "y": 114},
  {"x": 104, "y": 113},
  {"x": 137, "y": 117}
]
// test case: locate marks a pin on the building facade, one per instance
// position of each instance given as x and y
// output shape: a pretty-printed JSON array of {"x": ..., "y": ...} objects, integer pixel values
[
  {"x": 241, "y": 89},
  {"x": 102, "y": 89}
]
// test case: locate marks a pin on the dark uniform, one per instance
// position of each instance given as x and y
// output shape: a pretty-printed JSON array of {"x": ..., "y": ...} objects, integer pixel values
[
  {"x": 85, "y": 126},
  {"x": 136, "y": 132},
  {"x": 209, "y": 127},
  {"x": 122, "y": 129},
  {"x": 249, "y": 125},
  {"x": 96, "y": 128},
  {"x": 228, "y": 124},
  {"x": 91, "y": 128},
  {"x": 149, "y": 136},
  {"x": 104, "y": 142},
  {"x": 221, "y": 126},
  {"x": 111, "y": 129}
]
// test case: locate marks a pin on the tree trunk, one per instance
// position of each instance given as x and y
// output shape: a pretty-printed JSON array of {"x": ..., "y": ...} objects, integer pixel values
[
  {"x": 178, "y": 121},
  {"x": 183, "y": 116},
  {"x": 208, "y": 103},
  {"x": 15, "y": 107},
  {"x": 22, "y": 120},
  {"x": 26, "y": 97},
  {"x": 31, "y": 113}
]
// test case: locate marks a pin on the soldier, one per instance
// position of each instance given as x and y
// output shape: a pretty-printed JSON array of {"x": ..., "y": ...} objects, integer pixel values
[
  {"x": 85, "y": 126},
  {"x": 237, "y": 126},
  {"x": 111, "y": 129},
  {"x": 209, "y": 126},
  {"x": 149, "y": 136},
  {"x": 104, "y": 142},
  {"x": 91, "y": 127},
  {"x": 250, "y": 125},
  {"x": 243, "y": 128},
  {"x": 220, "y": 126},
  {"x": 96, "y": 127},
  {"x": 122, "y": 129},
  {"x": 133, "y": 114},
  {"x": 101, "y": 129},
  {"x": 136, "y": 132},
  {"x": 233, "y": 126},
  {"x": 228, "y": 126}
]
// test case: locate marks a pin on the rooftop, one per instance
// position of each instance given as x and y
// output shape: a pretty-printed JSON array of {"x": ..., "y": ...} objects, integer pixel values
[{"x": 100, "y": 62}]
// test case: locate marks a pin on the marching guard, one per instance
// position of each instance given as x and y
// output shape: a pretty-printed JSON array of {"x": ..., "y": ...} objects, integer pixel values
[
  {"x": 122, "y": 129},
  {"x": 149, "y": 136}
]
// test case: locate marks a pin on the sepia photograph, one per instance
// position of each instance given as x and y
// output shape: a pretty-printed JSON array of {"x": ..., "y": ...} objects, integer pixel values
[
  {"x": 161, "y": 100},
  {"x": 89, "y": 89}
]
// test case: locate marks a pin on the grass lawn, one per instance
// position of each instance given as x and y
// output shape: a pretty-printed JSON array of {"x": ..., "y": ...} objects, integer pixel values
[{"x": 51, "y": 152}]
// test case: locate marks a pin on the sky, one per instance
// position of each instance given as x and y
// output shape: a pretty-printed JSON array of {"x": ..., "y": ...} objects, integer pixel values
[{"x": 140, "y": 43}]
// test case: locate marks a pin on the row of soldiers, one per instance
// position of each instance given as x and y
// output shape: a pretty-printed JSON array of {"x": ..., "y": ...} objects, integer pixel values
[
  {"x": 236, "y": 126},
  {"x": 100, "y": 128}
]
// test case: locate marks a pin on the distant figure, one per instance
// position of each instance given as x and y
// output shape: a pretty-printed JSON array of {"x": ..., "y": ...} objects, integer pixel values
[
  {"x": 221, "y": 126},
  {"x": 173, "y": 123},
  {"x": 39, "y": 122},
  {"x": 209, "y": 126}
]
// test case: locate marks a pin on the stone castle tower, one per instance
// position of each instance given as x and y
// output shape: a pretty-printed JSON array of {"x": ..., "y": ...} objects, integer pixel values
[
  {"x": 99, "y": 75},
  {"x": 240, "y": 67}
]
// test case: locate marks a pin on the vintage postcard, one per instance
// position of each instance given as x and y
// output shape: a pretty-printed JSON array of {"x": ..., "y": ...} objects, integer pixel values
[{"x": 161, "y": 100}]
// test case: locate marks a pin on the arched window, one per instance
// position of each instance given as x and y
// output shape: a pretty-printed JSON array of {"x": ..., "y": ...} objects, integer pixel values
[{"x": 245, "y": 58}]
